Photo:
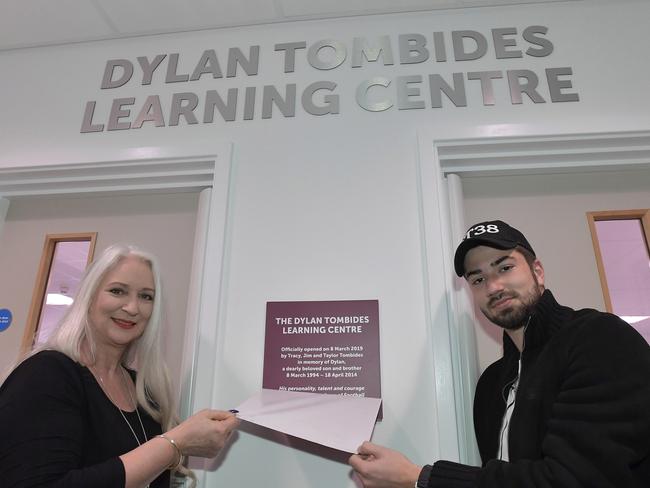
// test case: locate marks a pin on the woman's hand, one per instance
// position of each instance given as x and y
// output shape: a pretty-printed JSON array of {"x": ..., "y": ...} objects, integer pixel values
[{"x": 205, "y": 433}]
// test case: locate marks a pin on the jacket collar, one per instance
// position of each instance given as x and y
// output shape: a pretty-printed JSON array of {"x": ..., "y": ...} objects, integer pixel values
[{"x": 547, "y": 318}]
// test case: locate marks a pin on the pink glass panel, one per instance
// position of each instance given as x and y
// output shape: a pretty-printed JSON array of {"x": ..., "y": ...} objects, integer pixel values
[
  {"x": 627, "y": 267},
  {"x": 68, "y": 266}
]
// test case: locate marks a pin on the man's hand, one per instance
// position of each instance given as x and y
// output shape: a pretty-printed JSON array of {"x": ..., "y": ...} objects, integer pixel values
[{"x": 380, "y": 467}]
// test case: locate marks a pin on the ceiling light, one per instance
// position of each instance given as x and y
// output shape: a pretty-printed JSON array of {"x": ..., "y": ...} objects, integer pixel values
[{"x": 58, "y": 299}]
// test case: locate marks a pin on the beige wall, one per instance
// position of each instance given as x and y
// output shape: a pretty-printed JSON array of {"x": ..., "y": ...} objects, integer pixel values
[
  {"x": 550, "y": 211},
  {"x": 161, "y": 223}
]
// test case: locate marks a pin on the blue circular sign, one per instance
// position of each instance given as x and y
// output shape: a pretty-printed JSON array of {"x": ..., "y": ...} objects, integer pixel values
[{"x": 5, "y": 318}]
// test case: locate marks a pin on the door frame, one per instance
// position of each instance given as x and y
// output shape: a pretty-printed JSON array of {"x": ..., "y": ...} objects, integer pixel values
[
  {"x": 208, "y": 174},
  {"x": 442, "y": 164}
]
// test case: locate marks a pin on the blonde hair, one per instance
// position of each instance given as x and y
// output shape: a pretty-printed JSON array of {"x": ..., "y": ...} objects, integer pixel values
[{"x": 153, "y": 386}]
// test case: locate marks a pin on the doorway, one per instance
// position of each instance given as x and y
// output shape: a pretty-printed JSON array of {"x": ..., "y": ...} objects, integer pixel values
[
  {"x": 162, "y": 223},
  {"x": 187, "y": 198}
]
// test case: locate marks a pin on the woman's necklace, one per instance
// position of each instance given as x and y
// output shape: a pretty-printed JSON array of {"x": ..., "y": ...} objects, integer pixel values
[{"x": 144, "y": 433}]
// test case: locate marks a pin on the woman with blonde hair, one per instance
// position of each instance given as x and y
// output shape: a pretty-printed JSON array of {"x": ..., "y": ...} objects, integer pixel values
[{"x": 74, "y": 413}]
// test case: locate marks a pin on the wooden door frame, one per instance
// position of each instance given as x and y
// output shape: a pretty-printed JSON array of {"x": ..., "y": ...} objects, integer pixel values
[
  {"x": 592, "y": 218},
  {"x": 42, "y": 277}
]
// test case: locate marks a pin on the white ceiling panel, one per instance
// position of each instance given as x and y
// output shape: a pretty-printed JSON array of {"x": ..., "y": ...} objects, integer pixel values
[
  {"x": 38, "y": 22},
  {"x": 35, "y": 23},
  {"x": 239, "y": 12},
  {"x": 314, "y": 8},
  {"x": 320, "y": 8},
  {"x": 157, "y": 16}
]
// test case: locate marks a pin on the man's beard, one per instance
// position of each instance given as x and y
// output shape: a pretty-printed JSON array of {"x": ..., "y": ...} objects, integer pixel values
[{"x": 515, "y": 316}]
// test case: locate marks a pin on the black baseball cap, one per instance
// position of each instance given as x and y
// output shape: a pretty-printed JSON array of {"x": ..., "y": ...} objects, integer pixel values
[{"x": 493, "y": 233}]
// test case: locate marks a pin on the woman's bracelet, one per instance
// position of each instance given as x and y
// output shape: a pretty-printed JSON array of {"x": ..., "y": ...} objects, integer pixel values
[{"x": 173, "y": 466}]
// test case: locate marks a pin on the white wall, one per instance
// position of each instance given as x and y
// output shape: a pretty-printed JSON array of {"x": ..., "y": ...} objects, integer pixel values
[{"x": 327, "y": 207}]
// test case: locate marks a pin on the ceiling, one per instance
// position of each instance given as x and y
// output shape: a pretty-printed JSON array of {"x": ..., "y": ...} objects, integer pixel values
[{"x": 37, "y": 23}]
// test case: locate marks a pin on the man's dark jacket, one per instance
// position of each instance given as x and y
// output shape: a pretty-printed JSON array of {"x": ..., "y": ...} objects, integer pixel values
[{"x": 582, "y": 411}]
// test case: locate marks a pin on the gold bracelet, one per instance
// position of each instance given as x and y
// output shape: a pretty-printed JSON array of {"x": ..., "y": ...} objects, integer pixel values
[{"x": 173, "y": 466}]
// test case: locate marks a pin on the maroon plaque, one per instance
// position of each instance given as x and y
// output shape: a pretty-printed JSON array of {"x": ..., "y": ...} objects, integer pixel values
[{"x": 323, "y": 347}]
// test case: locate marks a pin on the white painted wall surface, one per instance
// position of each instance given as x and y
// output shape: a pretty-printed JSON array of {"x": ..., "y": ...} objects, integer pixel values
[{"x": 326, "y": 207}]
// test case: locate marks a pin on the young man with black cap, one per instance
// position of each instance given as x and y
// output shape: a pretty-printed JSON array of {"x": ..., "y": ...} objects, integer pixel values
[{"x": 568, "y": 404}]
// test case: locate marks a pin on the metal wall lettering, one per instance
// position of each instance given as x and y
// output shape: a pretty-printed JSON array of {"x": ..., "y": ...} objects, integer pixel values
[{"x": 419, "y": 91}]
